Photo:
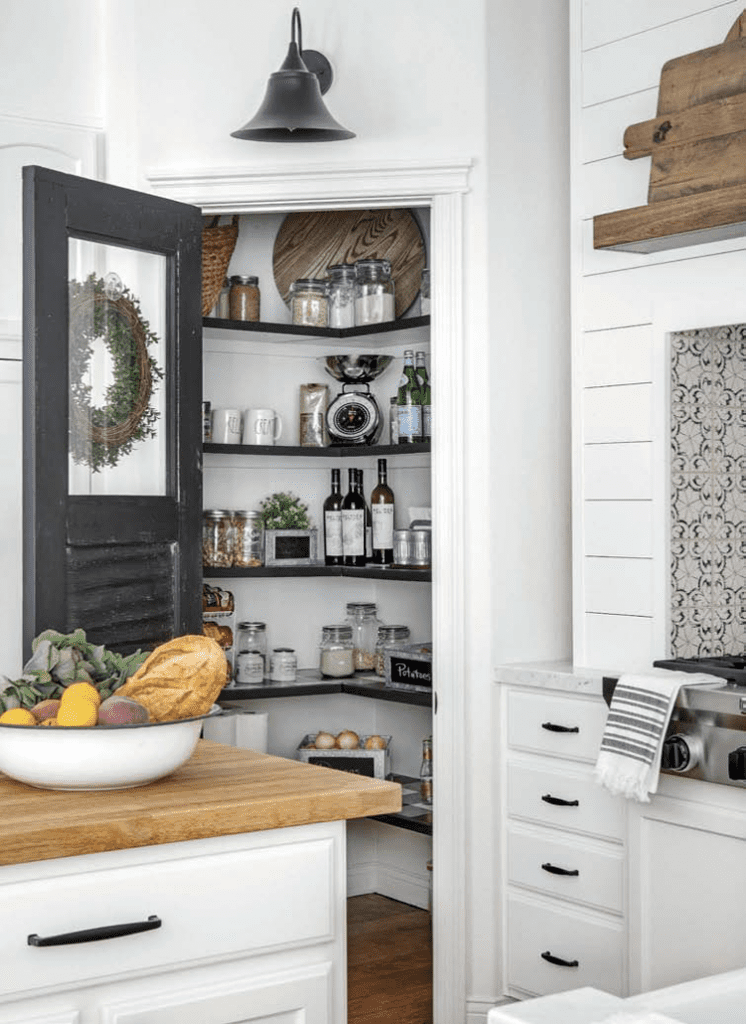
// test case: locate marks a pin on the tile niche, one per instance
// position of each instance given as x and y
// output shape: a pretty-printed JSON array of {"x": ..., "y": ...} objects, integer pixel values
[{"x": 708, "y": 491}]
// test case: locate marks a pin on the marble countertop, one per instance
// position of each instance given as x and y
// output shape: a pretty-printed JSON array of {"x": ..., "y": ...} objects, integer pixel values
[{"x": 551, "y": 675}]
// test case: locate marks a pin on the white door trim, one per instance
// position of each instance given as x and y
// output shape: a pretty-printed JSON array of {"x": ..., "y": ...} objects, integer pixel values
[{"x": 439, "y": 186}]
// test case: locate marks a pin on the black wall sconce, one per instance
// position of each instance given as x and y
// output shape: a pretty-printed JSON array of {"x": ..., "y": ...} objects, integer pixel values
[{"x": 292, "y": 109}]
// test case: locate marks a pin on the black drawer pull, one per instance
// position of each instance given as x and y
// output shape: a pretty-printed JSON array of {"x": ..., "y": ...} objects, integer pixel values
[
  {"x": 559, "y": 961},
  {"x": 109, "y": 931},
  {"x": 551, "y": 727},
  {"x": 554, "y": 870},
  {"x": 557, "y": 801}
]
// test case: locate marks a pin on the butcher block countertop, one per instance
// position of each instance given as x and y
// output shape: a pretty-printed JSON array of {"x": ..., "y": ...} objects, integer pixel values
[{"x": 220, "y": 791}]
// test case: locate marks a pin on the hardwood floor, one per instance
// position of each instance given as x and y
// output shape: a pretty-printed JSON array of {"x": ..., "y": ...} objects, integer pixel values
[{"x": 389, "y": 962}]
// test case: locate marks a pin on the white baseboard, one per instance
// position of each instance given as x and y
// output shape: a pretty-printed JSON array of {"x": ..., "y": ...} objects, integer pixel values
[
  {"x": 389, "y": 880},
  {"x": 477, "y": 1009},
  {"x": 361, "y": 878}
]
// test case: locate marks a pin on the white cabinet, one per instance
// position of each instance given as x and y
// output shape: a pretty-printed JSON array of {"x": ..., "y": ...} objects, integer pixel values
[
  {"x": 687, "y": 884},
  {"x": 252, "y": 928},
  {"x": 564, "y": 891}
]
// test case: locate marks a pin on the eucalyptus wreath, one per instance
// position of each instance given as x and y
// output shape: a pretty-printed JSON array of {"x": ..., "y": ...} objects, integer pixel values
[{"x": 101, "y": 435}]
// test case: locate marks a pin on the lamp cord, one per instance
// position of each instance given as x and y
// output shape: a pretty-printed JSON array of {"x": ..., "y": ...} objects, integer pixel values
[{"x": 296, "y": 17}]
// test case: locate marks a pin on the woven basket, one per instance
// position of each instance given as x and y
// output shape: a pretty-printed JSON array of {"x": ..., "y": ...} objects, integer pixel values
[{"x": 218, "y": 243}]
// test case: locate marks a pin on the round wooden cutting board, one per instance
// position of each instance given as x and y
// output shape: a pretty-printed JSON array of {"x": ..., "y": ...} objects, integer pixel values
[{"x": 309, "y": 242}]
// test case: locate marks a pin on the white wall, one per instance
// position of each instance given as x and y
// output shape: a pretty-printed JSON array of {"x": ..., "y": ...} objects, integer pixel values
[{"x": 624, "y": 305}]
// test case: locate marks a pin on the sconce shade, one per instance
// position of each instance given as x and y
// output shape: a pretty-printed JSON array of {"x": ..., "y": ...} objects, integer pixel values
[{"x": 292, "y": 109}]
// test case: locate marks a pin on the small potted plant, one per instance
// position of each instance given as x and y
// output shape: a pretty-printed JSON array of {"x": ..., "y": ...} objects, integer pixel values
[{"x": 289, "y": 537}]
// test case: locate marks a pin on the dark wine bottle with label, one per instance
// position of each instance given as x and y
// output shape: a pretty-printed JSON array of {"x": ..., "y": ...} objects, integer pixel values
[
  {"x": 353, "y": 524},
  {"x": 333, "y": 550},
  {"x": 368, "y": 518},
  {"x": 382, "y": 511}
]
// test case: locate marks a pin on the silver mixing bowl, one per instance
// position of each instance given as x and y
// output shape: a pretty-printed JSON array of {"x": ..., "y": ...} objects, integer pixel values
[{"x": 355, "y": 369}]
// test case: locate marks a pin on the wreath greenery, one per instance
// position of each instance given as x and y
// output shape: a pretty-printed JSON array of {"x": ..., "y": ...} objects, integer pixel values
[{"x": 101, "y": 435}]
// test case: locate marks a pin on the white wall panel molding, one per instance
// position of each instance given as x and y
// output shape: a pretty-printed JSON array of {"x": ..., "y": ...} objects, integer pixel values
[
  {"x": 618, "y": 471},
  {"x": 620, "y": 413},
  {"x": 605, "y": 22},
  {"x": 604, "y": 124},
  {"x": 621, "y": 356},
  {"x": 619, "y": 586},
  {"x": 618, "y": 643},
  {"x": 619, "y": 528}
]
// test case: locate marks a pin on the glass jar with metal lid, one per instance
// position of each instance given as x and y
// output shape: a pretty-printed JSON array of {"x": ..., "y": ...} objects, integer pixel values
[
  {"x": 388, "y": 637},
  {"x": 283, "y": 665},
  {"x": 243, "y": 298},
  {"x": 251, "y": 656},
  {"x": 248, "y": 541},
  {"x": 336, "y": 657},
  {"x": 342, "y": 277},
  {"x": 362, "y": 618},
  {"x": 309, "y": 302},
  {"x": 217, "y": 538},
  {"x": 374, "y": 292}
]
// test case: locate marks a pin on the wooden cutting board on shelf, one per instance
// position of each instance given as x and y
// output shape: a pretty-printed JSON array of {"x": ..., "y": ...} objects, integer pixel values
[
  {"x": 309, "y": 242},
  {"x": 697, "y": 140}
]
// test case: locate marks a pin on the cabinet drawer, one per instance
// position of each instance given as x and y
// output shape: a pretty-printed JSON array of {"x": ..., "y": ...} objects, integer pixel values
[
  {"x": 547, "y": 864},
  {"x": 567, "y": 799},
  {"x": 214, "y": 906},
  {"x": 594, "y": 947},
  {"x": 557, "y": 725}
]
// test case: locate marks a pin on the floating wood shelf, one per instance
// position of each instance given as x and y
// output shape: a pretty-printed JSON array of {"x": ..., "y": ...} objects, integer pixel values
[{"x": 697, "y": 141}]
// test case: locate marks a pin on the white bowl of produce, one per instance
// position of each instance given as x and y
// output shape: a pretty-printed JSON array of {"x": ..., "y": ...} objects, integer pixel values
[{"x": 97, "y": 757}]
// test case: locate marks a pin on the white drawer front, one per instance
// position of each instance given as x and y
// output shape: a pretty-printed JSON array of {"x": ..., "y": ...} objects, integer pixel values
[
  {"x": 550, "y": 724},
  {"x": 212, "y": 906},
  {"x": 596, "y": 947},
  {"x": 567, "y": 869},
  {"x": 565, "y": 799}
]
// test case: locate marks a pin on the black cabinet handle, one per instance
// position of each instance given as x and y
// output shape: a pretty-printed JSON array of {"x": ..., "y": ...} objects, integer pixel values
[
  {"x": 554, "y": 870},
  {"x": 551, "y": 727},
  {"x": 558, "y": 961},
  {"x": 557, "y": 801},
  {"x": 109, "y": 931}
]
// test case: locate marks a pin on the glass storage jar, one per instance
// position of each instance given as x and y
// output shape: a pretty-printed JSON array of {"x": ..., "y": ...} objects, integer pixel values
[
  {"x": 283, "y": 665},
  {"x": 388, "y": 637},
  {"x": 244, "y": 297},
  {"x": 217, "y": 538},
  {"x": 309, "y": 302},
  {"x": 223, "y": 306},
  {"x": 374, "y": 292},
  {"x": 341, "y": 294},
  {"x": 251, "y": 656},
  {"x": 362, "y": 619},
  {"x": 248, "y": 540},
  {"x": 336, "y": 657}
]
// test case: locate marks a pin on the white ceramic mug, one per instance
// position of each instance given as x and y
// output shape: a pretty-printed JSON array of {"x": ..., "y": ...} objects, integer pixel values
[
  {"x": 262, "y": 426},
  {"x": 226, "y": 426}
]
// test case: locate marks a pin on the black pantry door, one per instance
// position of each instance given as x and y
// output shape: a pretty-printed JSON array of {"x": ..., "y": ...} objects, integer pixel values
[{"x": 111, "y": 418}]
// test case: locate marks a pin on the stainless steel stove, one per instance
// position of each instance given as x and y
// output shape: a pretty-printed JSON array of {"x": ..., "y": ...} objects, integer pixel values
[{"x": 706, "y": 737}]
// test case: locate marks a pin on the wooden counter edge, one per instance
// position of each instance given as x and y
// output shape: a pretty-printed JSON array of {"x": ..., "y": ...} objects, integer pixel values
[{"x": 219, "y": 791}]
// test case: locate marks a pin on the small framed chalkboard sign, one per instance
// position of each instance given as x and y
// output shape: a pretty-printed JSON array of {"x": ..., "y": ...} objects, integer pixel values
[{"x": 290, "y": 547}]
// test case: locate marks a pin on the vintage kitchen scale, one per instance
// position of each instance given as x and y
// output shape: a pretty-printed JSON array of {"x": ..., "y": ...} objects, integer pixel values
[
  {"x": 697, "y": 142},
  {"x": 353, "y": 417}
]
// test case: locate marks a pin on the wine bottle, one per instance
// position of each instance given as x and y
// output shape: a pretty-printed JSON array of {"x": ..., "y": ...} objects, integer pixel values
[
  {"x": 425, "y": 399},
  {"x": 353, "y": 524},
  {"x": 426, "y": 771},
  {"x": 368, "y": 518},
  {"x": 408, "y": 403},
  {"x": 382, "y": 510},
  {"x": 333, "y": 551}
]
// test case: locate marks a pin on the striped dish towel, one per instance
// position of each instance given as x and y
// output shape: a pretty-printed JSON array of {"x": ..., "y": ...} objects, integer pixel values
[{"x": 630, "y": 757}]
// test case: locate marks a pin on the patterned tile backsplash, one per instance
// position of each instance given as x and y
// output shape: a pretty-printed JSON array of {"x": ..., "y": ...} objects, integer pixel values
[{"x": 708, "y": 491}]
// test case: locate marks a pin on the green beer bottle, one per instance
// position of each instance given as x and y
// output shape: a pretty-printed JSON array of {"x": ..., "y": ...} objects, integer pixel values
[{"x": 409, "y": 408}]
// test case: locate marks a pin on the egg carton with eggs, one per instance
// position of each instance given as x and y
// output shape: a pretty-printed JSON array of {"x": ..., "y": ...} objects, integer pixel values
[{"x": 369, "y": 756}]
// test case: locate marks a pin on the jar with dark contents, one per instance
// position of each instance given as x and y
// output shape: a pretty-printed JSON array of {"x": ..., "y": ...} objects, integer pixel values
[
  {"x": 244, "y": 298},
  {"x": 217, "y": 539},
  {"x": 388, "y": 637}
]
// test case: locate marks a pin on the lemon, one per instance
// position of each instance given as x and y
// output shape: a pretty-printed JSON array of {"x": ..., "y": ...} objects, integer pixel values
[
  {"x": 17, "y": 716},
  {"x": 77, "y": 711},
  {"x": 82, "y": 690}
]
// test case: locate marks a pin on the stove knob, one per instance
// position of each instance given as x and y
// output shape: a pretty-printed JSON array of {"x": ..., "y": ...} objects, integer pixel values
[
  {"x": 737, "y": 764},
  {"x": 681, "y": 753}
]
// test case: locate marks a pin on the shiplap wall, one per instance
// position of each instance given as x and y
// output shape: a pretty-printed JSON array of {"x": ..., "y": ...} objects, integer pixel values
[{"x": 624, "y": 307}]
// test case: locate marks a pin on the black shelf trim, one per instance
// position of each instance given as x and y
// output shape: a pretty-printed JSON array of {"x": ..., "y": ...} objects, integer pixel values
[
  {"x": 310, "y": 683},
  {"x": 357, "y": 451},
  {"x": 265, "y": 327},
  {"x": 364, "y": 573},
  {"x": 400, "y": 821}
]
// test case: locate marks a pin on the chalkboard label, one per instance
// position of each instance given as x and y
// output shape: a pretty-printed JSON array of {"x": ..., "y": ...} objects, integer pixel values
[
  {"x": 412, "y": 671},
  {"x": 356, "y": 765},
  {"x": 292, "y": 547}
]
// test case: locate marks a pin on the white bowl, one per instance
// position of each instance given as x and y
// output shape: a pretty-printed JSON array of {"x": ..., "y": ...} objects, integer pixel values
[{"x": 98, "y": 756}]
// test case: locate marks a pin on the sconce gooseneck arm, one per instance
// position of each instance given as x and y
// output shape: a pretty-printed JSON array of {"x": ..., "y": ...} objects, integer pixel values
[{"x": 296, "y": 20}]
